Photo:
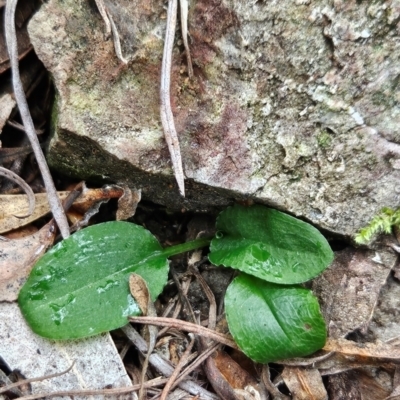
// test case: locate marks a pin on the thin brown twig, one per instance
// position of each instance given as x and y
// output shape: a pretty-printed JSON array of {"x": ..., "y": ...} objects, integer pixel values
[
  {"x": 185, "y": 287},
  {"x": 124, "y": 350},
  {"x": 182, "y": 362},
  {"x": 35, "y": 84},
  {"x": 203, "y": 356},
  {"x": 199, "y": 360},
  {"x": 116, "y": 40},
  {"x": 183, "y": 296},
  {"x": 304, "y": 362},
  {"x": 212, "y": 315},
  {"x": 102, "y": 10},
  {"x": 30, "y": 380},
  {"x": 172, "y": 302},
  {"x": 11, "y": 39},
  {"x": 184, "y": 28},
  {"x": 214, "y": 375},
  {"x": 21, "y": 128},
  {"x": 163, "y": 366},
  {"x": 27, "y": 189},
  {"x": 167, "y": 118},
  {"x": 94, "y": 392},
  {"x": 186, "y": 326}
]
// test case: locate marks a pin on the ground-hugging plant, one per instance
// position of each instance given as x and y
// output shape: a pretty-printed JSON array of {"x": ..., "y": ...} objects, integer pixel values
[
  {"x": 384, "y": 222},
  {"x": 80, "y": 287}
]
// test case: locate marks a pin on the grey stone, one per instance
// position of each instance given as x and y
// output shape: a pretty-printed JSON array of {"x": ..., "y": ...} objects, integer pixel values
[{"x": 294, "y": 104}]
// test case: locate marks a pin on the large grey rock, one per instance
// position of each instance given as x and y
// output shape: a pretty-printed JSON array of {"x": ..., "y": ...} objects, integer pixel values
[{"x": 294, "y": 103}]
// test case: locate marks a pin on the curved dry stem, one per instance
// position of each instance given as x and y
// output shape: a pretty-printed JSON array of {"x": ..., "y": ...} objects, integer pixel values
[
  {"x": 38, "y": 379},
  {"x": 167, "y": 117},
  {"x": 116, "y": 39},
  {"x": 11, "y": 39},
  {"x": 103, "y": 12},
  {"x": 95, "y": 392},
  {"x": 186, "y": 326},
  {"x": 27, "y": 189},
  {"x": 184, "y": 28}
]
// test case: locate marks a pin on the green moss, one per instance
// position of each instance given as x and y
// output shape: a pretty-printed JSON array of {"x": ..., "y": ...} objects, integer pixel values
[
  {"x": 324, "y": 139},
  {"x": 384, "y": 222}
]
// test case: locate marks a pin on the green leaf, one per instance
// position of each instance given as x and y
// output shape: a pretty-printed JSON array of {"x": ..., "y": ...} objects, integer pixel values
[
  {"x": 80, "y": 287},
  {"x": 271, "y": 322},
  {"x": 270, "y": 245}
]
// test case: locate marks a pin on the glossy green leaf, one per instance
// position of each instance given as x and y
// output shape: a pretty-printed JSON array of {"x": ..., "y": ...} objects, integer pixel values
[
  {"x": 80, "y": 287},
  {"x": 271, "y": 322},
  {"x": 270, "y": 245}
]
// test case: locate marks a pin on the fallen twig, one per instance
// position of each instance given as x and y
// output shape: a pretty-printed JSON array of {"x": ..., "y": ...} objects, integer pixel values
[
  {"x": 214, "y": 375},
  {"x": 164, "y": 367},
  {"x": 184, "y": 28},
  {"x": 182, "y": 362},
  {"x": 186, "y": 326},
  {"x": 39, "y": 378},
  {"x": 140, "y": 292},
  {"x": 21, "y": 128},
  {"x": 116, "y": 40},
  {"x": 203, "y": 356},
  {"x": 167, "y": 118},
  {"x": 11, "y": 39},
  {"x": 102, "y": 10},
  {"x": 185, "y": 288},
  {"x": 182, "y": 292},
  {"x": 305, "y": 362},
  {"x": 212, "y": 313},
  {"x": 95, "y": 392}
]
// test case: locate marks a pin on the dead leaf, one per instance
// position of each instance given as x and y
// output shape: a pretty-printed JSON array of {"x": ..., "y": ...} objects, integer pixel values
[
  {"x": 343, "y": 386},
  {"x": 218, "y": 381},
  {"x": 348, "y": 290},
  {"x": 127, "y": 203},
  {"x": 304, "y": 383},
  {"x": 91, "y": 196},
  {"x": 140, "y": 292},
  {"x": 17, "y": 257},
  {"x": 396, "y": 383},
  {"x": 237, "y": 377},
  {"x": 11, "y": 205},
  {"x": 356, "y": 385},
  {"x": 12, "y": 176},
  {"x": 243, "y": 384},
  {"x": 7, "y": 103},
  {"x": 364, "y": 353},
  {"x": 21, "y": 232}
]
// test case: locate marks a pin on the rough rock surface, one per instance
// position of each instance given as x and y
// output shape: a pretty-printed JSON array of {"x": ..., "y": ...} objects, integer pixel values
[
  {"x": 349, "y": 289},
  {"x": 294, "y": 104}
]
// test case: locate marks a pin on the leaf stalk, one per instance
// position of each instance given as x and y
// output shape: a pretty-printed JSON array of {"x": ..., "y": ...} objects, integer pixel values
[{"x": 188, "y": 246}]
